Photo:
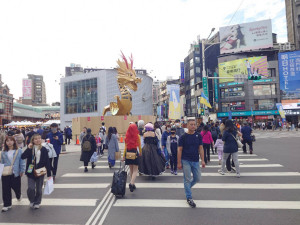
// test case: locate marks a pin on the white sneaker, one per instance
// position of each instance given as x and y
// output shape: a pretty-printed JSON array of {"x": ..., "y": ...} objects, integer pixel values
[
  {"x": 36, "y": 206},
  {"x": 221, "y": 172},
  {"x": 20, "y": 199},
  {"x": 238, "y": 175},
  {"x": 31, "y": 205},
  {"x": 5, "y": 209}
]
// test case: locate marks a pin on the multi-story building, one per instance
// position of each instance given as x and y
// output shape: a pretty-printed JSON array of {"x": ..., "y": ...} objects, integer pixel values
[
  {"x": 164, "y": 97},
  {"x": 6, "y": 104},
  {"x": 292, "y": 8},
  {"x": 155, "y": 95},
  {"x": 34, "y": 90},
  {"x": 86, "y": 94},
  {"x": 193, "y": 73}
]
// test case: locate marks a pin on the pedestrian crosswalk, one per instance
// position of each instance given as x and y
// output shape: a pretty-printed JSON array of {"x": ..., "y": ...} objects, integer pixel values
[
  {"x": 276, "y": 134},
  {"x": 167, "y": 191}
]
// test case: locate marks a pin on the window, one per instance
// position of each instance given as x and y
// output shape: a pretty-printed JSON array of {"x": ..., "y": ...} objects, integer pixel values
[
  {"x": 232, "y": 92},
  {"x": 233, "y": 106},
  {"x": 81, "y": 96},
  {"x": 198, "y": 70},
  {"x": 191, "y": 62},
  {"x": 192, "y": 72},
  {"x": 192, "y": 83},
  {"x": 197, "y": 59},
  {"x": 265, "y": 104},
  {"x": 192, "y": 92},
  {"x": 260, "y": 90},
  {"x": 272, "y": 72}
]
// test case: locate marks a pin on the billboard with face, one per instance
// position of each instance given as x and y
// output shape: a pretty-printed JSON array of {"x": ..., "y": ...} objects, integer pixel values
[
  {"x": 245, "y": 68},
  {"x": 246, "y": 36},
  {"x": 27, "y": 88}
]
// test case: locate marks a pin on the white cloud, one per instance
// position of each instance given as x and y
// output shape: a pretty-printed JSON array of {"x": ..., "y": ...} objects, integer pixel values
[{"x": 42, "y": 37}]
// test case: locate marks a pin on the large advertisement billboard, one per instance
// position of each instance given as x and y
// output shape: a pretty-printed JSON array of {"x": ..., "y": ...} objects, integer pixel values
[
  {"x": 289, "y": 74},
  {"x": 27, "y": 88},
  {"x": 174, "y": 102},
  {"x": 246, "y": 36},
  {"x": 245, "y": 68}
]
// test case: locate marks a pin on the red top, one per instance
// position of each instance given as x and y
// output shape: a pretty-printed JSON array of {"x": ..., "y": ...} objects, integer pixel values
[{"x": 206, "y": 137}]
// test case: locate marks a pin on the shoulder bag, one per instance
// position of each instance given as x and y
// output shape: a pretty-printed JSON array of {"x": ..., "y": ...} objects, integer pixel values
[
  {"x": 8, "y": 170},
  {"x": 239, "y": 143},
  {"x": 41, "y": 171}
]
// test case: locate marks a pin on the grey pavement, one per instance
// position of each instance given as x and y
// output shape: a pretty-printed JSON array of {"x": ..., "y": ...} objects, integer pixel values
[{"x": 264, "y": 199}]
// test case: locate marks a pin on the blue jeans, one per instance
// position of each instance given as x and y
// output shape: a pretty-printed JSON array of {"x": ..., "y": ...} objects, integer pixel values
[
  {"x": 189, "y": 168},
  {"x": 166, "y": 156}
]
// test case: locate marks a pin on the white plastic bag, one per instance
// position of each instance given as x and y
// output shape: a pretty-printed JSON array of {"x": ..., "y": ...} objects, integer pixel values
[
  {"x": 1, "y": 169},
  {"x": 49, "y": 187},
  {"x": 94, "y": 157},
  {"x": 50, "y": 149}
]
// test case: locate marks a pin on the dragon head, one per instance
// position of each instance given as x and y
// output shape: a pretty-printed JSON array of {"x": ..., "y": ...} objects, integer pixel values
[{"x": 126, "y": 73}]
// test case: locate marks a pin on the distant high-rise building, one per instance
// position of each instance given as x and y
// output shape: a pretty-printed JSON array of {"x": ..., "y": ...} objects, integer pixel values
[
  {"x": 292, "y": 8},
  {"x": 34, "y": 90},
  {"x": 6, "y": 104}
]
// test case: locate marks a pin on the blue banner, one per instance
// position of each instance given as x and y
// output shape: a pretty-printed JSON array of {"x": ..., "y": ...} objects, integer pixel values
[
  {"x": 289, "y": 74},
  {"x": 216, "y": 88},
  {"x": 248, "y": 113},
  {"x": 182, "y": 72}
]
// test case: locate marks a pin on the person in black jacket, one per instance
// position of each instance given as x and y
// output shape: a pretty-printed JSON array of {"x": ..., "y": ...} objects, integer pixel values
[
  {"x": 36, "y": 155},
  {"x": 86, "y": 154}
]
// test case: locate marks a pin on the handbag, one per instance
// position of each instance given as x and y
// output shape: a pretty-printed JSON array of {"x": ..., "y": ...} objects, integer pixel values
[
  {"x": 239, "y": 143},
  {"x": 39, "y": 172},
  {"x": 49, "y": 187},
  {"x": 253, "y": 138},
  {"x": 117, "y": 155},
  {"x": 8, "y": 170},
  {"x": 131, "y": 155}
]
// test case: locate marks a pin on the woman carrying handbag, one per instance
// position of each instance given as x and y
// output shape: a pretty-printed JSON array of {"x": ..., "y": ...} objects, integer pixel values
[
  {"x": 14, "y": 168},
  {"x": 37, "y": 167},
  {"x": 131, "y": 153}
]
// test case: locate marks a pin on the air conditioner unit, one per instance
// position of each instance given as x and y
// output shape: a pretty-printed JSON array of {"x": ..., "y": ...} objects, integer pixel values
[
  {"x": 288, "y": 46},
  {"x": 281, "y": 47}
]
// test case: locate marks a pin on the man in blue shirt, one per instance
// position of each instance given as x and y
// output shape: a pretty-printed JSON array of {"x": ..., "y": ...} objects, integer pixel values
[
  {"x": 189, "y": 148},
  {"x": 246, "y": 132},
  {"x": 56, "y": 139},
  {"x": 40, "y": 131}
]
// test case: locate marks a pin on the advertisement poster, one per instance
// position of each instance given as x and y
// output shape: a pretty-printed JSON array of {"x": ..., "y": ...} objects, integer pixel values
[
  {"x": 289, "y": 74},
  {"x": 244, "y": 68},
  {"x": 280, "y": 110},
  {"x": 27, "y": 88},
  {"x": 174, "y": 102},
  {"x": 246, "y": 36},
  {"x": 291, "y": 104}
]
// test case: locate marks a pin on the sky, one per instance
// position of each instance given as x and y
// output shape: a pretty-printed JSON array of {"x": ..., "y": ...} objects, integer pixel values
[{"x": 43, "y": 37}]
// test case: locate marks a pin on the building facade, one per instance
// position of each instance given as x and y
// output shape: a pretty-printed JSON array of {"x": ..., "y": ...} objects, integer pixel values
[
  {"x": 34, "y": 90},
  {"x": 6, "y": 104},
  {"x": 86, "y": 94},
  {"x": 292, "y": 8}
]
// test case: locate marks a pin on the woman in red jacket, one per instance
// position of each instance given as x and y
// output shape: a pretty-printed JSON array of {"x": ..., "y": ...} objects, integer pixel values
[{"x": 207, "y": 141}]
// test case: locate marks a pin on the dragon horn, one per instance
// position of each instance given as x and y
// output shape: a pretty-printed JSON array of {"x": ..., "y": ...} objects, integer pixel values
[
  {"x": 131, "y": 61},
  {"x": 125, "y": 60}
]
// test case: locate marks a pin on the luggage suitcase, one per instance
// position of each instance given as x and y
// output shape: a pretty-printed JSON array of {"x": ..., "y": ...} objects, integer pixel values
[{"x": 118, "y": 186}]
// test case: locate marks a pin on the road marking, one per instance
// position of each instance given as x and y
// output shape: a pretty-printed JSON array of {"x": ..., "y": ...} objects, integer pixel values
[
  {"x": 245, "y": 174},
  {"x": 241, "y": 155},
  {"x": 102, "y": 209},
  {"x": 85, "y": 185},
  {"x": 59, "y": 202},
  {"x": 208, "y": 204},
  {"x": 107, "y": 210},
  {"x": 35, "y": 224},
  {"x": 99, "y": 167},
  {"x": 220, "y": 186},
  {"x": 248, "y": 165}
]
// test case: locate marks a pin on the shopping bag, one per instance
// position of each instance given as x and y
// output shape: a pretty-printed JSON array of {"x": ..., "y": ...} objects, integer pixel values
[
  {"x": 49, "y": 187},
  {"x": 1, "y": 169},
  {"x": 117, "y": 155},
  {"x": 94, "y": 157}
]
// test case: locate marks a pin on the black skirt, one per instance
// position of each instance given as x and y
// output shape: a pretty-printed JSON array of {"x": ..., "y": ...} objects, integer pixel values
[{"x": 132, "y": 161}]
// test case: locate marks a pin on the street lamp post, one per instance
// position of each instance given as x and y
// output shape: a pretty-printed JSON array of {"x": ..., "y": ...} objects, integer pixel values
[{"x": 203, "y": 53}]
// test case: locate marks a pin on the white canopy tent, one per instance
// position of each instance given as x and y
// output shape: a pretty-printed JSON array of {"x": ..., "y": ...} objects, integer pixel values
[{"x": 49, "y": 122}]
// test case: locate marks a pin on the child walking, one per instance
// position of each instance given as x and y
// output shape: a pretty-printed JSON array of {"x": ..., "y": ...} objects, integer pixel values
[
  {"x": 219, "y": 146},
  {"x": 98, "y": 143},
  {"x": 172, "y": 144}
]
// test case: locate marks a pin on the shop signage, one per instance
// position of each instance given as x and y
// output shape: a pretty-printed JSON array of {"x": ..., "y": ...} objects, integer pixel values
[
  {"x": 291, "y": 112},
  {"x": 248, "y": 113},
  {"x": 216, "y": 88},
  {"x": 182, "y": 72},
  {"x": 261, "y": 81},
  {"x": 235, "y": 83},
  {"x": 261, "y": 117},
  {"x": 205, "y": 86}
]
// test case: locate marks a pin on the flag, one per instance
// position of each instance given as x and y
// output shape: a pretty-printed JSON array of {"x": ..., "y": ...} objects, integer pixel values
[{"x": 204, "y": 100}]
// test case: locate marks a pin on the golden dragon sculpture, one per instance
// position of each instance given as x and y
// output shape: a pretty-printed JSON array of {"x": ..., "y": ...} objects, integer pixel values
[{"x": 126, "y": 80}]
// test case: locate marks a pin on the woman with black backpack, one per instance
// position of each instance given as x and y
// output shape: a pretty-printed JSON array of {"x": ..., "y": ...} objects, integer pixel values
[{"x": 88, "y": 147}]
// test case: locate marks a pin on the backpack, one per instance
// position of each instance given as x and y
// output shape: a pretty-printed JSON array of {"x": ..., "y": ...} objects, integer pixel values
[
  {"x": 86, "y": 146},
  {"x": 19, "y": 139}
]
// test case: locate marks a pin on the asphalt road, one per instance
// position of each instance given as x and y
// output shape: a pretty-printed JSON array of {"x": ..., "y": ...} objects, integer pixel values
[{"x": 268, "y": 192}]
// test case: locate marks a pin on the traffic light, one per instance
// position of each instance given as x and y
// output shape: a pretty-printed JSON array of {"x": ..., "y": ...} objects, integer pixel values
[{"x": 202, "y": 111}]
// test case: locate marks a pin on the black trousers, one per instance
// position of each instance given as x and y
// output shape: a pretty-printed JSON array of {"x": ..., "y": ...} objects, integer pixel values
[
  {"x": 53, "y": 165},
  {"x": 173, "y": 160},
  {"x": 8, "y": 183},
  {"x": 249, "y": 142},
  {"x": 229, "y": 164},
  {"x": 206, "y": 148}
]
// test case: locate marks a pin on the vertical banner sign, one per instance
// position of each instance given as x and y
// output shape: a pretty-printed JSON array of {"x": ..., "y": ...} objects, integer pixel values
[
  {"x": 89, "y": 119},
  {"x": 102, "y": 118},
  {"x": 125, "y": 117},
  {"x": 216, "y": 88},
  {"x": 174, "y": 102},
  {"x": 139, "y": 117},
  {"x": 182, "y": 72},
  {"x": 199, "y": 109},
  {"x": 280, "y": 110},
  {"x": 205, "y": 86}
]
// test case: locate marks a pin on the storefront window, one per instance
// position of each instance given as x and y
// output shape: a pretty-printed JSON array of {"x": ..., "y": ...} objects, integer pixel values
[
  {"x": 81, "y": 96},
  {"x": 232, "y": 92},
  {"x": 233, "y": 106},
  {"x": 260, "y": 90},
  {"x": 266, "y": 104}
]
